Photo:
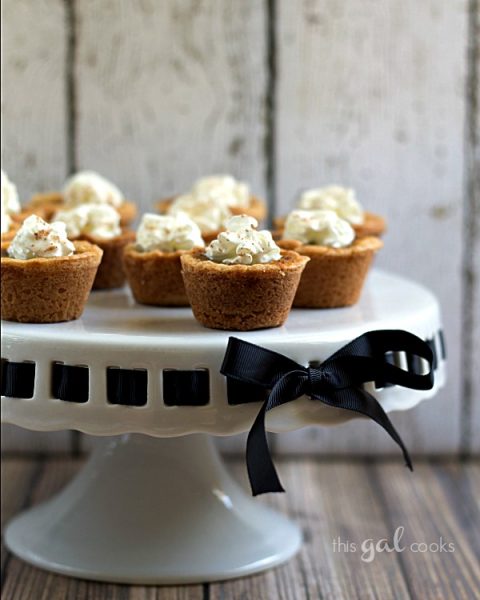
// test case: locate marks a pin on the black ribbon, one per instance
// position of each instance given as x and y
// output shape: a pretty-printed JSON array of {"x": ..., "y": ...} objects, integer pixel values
[{"x": 336, "y": 382}]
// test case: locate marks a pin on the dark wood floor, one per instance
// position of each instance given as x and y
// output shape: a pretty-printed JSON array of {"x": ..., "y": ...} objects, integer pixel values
[{"x": 355, "y": 502}]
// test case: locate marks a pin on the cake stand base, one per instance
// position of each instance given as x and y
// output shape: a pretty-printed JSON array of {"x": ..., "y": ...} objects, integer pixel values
[{"x": 153, "y": 511}]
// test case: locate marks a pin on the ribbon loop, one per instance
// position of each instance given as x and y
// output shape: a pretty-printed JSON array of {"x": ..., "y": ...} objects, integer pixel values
[{"x": 337, "y": 382}]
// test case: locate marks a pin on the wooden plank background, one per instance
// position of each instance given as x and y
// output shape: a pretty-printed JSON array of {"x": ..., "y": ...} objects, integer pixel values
[
  {"x": 378, "y": 94},
  {"x": 384, "y": 113},
  {"x": 342, "y": 500}
]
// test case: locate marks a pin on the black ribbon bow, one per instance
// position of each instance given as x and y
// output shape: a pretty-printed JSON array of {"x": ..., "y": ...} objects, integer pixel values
[{"x": 336, "y": 382}]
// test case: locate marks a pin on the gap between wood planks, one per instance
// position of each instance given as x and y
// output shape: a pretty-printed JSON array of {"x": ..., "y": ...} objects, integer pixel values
[
  {"x": 270, "y": 108},
  {"x": 71, "y": 84}
]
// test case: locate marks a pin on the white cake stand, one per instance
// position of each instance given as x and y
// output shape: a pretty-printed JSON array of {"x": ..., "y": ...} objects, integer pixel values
[{"x": 161, "y": 508}]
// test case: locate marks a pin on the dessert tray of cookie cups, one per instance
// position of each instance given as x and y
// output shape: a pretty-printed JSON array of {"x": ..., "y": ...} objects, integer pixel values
[{"x": 155, "y": 504}]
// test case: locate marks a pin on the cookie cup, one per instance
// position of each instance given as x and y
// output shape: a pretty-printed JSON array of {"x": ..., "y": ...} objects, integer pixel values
[
  {"x": 7, "y": 236},
  {"x": 334, "y": 277},
  {"x": 373, "y": 224},
  {"x": 48, "y": 290},
  {"x": 48, "y": 203},
  {"x": 51, "y": 202},
  {"x": 241, "y": 297},
  {"x": 155, "y": 277},
  {"x": 111, "y": 272},
  {"x": 256, "y": 209},
  {"x": 128, "y": 212}
]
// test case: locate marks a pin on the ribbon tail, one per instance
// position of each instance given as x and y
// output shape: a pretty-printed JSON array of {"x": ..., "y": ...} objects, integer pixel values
[
  {"x": 364, "y": 403},
  {"x": 390, "y": 429},
  {"x": 261, "y": 470}
]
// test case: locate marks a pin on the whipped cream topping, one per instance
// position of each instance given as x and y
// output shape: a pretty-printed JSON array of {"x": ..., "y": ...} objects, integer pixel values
[
  {"x": 9, "y": 202},
  {"x": 97, "y": 220},
  {"x": 168, "y": 233},
  {"x": 224, "y": 189},
  {"x": 38, "y": 239},
  {"x": 242, "y": 244},
  {"x": 209, "y": 214},
  {"x": 334, "y": 197},
  {"x": 88, "y": 187},
  {"x": 209, "y": 201},
  {"x": 318, "y": 228}
]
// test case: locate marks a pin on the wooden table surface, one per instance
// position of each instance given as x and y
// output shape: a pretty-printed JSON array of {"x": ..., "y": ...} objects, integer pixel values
[{"x": 357, "y": 503}]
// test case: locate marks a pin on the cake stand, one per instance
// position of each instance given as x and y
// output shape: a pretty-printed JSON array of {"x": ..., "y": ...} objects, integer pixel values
[{"x": 156, "y": 505}]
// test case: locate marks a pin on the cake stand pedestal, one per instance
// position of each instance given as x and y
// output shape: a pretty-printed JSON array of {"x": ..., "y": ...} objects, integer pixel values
[
  {"x": 146, "y": 510},
  {"x": 161, "y": 508}
]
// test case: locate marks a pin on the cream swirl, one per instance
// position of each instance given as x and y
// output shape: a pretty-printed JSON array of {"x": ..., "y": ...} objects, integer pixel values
[
  {"x": 341, "y": 200},
  {"x": 38, "y": 239},
  {"x": 88, "y": 187},
  {"x": 207, "y": 213},
  {"x": 168, "y": 233},
  {"x": 9, "y": 202},
  {"x": 96, "y": 220},
  {"x": 319, "y": 228},
  {"x": 224, "y": 189},
  {"x": 242, "y": 244}
]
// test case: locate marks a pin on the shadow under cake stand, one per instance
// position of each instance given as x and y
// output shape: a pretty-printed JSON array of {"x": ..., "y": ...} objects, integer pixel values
[{"x": 156, "y": 505}]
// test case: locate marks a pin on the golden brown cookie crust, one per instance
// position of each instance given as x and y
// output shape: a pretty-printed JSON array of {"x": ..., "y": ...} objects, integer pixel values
[
  {"x": 164, "y": 204},
  {"x": 20, "y": 217},
  {"x": 10, "y": 234},
  {"x": 48, "y": 290},
  {"x": 334, "y": 277},
  {"x": 48, "y": 203},
  {"x": 111, "y": 273},
  {"x": 241, "y": 297},
  {"x": 155, "y": 277},
  {"x": 128, "y": 213},
  {"x": 372, "y": 225}
]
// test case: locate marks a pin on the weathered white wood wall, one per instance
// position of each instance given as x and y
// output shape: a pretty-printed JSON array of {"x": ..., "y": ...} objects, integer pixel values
[
  {"x": 373, "y": 93},
  {"x": 379, "y": 94},
  {"x": 34, "y": 129}
]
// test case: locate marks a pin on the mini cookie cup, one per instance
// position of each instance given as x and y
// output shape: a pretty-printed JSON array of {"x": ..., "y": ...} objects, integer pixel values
[
  {"x": 8, "y": 236},
  {"x": 48, "y": 290},
  {"x": 256, "y": 209},
  {"x": 334, "y": 277},
  {"x": 51, "y": 202},
  {"x": 373, "y": 224},
  {"x": 128, "y": 212},
  {"x": 155, "y": 277},
  {"x": 111, "y": 272},
  {"x": 47, "y": 202},
  {"x": 20, "y": 217},
  {"x": 241, "y": 297}
]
